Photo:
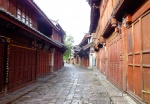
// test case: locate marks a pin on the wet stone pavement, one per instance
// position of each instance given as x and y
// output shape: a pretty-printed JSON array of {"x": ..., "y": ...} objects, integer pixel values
[{"x": 72, "y": 85}]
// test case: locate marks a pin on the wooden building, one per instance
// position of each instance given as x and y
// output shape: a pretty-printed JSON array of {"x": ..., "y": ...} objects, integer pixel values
[
  {"x": 122, "y": 27},
  {"x": 82, "y": 55},
  {"x": 31, "y": 46}
]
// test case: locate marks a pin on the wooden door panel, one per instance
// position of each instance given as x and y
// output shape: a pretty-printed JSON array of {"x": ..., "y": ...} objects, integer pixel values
[
  {"x": 145, "y": 21},
  {"x": 20, "y": 66},
  {"x": 115, "y": 61},
  {"x": 146, "y": 76},
  {"x": 1, "y": 66},
  {"x": 137, "y": 59},
  {"x": 103, "y": 61},
  {"x": 43, "y": 63},
  {"x": 137, "y": 37},
  {"x": 137, "y": 80},
  {"x": 130, "y": 40},
  {"x": 146, "y": 31},
  {"x": 130, "y": 78}
]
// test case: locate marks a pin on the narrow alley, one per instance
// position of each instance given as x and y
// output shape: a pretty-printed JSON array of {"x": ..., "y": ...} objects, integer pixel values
[{"x": 70, "y": 85}]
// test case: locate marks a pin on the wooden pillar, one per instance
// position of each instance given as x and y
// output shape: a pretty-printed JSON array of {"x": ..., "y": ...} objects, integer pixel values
[{"x": 52, "y": 59}]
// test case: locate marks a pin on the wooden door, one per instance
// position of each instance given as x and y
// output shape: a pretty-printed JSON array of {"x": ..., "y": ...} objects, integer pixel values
[
  {"x": 22, "y": 66},
  {"x": 56, "y": 60},
  {"x": 103, "y": 60},
  {"x": 145, "y": 30},
  {"x": 134, "y": 60},
  {"x": 1, "y": 66},
  {"x": 43, "y": 63},
  {"x": 139, "y": 58},
  {"x": 115, "y": 69}
]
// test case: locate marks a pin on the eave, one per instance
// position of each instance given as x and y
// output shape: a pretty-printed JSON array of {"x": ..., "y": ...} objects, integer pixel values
[
  {"x": 85, "y": 39},
  {"x": 61, "y": 30},
  {"x": 12, "y": 19},
  {"x": 40, "y": 12},
  {"x": 95, "y": 14},
  {"x": 88, "y": 46},
  {"x": 83, "y": 52}
]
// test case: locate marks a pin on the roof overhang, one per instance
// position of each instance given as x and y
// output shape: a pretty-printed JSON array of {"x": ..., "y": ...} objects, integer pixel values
[
  {"x": 88, "y": 46},
  {"x": 84, "y": 40},
  {"x": 6, "y": 16},
  {"x": 40, "y": 12}
]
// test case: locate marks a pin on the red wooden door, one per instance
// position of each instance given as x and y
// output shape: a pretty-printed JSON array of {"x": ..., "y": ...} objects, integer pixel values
[
  {"x": 103, "y": 61},
  {"x": 145, "y": 22},
  {"x": 134, "y": 57},
  {"x": 58, "y": 60},
  {"x": 115, "y": 70},
  {"x": 1, "y": 66},
  {"x": 43, "y": 64},
  {"x": 56, "y": 57},
  {"x": 139, "y": 58},
  {"x": 22, "y": 66}
]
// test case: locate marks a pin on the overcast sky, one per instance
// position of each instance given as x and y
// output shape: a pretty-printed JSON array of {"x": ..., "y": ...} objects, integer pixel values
[{"x": 73, "y": 15}]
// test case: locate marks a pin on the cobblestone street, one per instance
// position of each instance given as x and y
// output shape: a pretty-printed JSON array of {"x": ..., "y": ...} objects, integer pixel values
[{"x": 72, "y": 85}]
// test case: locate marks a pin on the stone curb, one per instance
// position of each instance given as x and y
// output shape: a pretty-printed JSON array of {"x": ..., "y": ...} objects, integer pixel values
[{"x": 9, "y": 98}]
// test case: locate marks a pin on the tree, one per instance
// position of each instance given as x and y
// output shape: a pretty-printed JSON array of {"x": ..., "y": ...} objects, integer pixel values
[{"x": 69, "y": 40}]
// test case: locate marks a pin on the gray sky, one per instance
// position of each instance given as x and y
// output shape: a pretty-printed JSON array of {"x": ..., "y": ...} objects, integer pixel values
[{"x": 73, "y": 15}]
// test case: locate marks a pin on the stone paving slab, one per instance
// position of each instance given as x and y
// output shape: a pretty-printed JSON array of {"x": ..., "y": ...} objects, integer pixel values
[
  {"x": 8, "y": 98},
  {"x": 74, "y": 85},
  {"x": 71, "y": 85}
]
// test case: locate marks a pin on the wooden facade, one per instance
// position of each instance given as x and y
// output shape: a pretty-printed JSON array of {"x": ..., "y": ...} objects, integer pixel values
[
  {"x": 82, "y": 55},
  {"x": 58, "y": 60},
  {"x": 43, "y": 62},
  {"x": 124, "y": 25},
  {"x": 101, "y": 62},
  {"x": 25, "y": 44}
]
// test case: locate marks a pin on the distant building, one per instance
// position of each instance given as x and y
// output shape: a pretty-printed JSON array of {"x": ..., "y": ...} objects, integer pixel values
[{"x": 84, "y": 54}]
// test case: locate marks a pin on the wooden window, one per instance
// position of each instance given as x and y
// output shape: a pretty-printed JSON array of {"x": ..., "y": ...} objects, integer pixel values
[
  {"x": 27, "y": 20},
  {"x": 30, "y": 22},
  {"x": 19, "y": 12},
  {"x": 24, "y": 15}
]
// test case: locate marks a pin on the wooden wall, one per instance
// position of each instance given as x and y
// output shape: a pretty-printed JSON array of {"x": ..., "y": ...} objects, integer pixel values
[
  {"x": 20, "y": 11},
  {"x": 128, "y": 50},
  {"x": 1, "y": 67},
  {"x": 58, "y": 60},
  {"x": 56, "y": 36}
]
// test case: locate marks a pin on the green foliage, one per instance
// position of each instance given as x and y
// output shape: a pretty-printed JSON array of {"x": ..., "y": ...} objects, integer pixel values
[{"x": 69, "y": 40}]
